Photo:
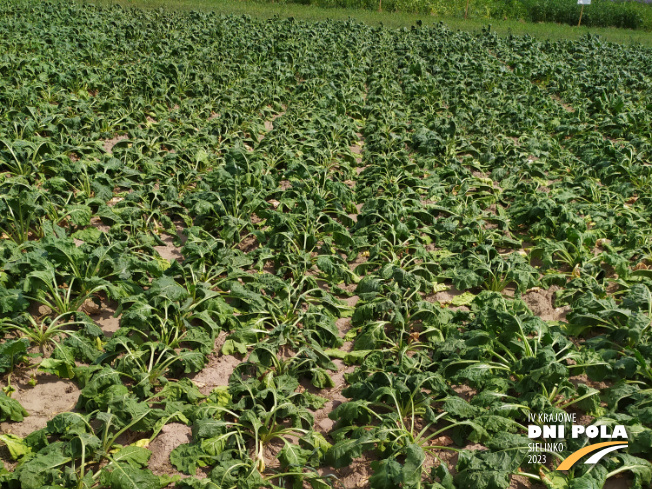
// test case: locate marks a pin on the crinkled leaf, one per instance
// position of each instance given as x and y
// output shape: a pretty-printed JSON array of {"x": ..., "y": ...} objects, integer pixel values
[
  {"x": 186, "y": 458},
  {"x": 167, "y": 288}
]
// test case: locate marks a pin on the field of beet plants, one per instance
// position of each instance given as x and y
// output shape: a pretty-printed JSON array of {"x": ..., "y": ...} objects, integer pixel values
[{"x": 240, "y": 253}]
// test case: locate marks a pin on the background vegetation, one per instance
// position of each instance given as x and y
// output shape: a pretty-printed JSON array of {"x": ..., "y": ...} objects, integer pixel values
[
  {"x": 602, "y": 13},
  {"x": 475, "y": 23}
]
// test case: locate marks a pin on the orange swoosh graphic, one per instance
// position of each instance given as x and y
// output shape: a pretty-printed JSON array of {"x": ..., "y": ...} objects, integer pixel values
[{"x": 575, "y": 456}]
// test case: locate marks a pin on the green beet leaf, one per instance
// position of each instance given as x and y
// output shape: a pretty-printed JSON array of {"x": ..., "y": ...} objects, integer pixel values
[
  {"x": 10, "y": 409},
  {"x": 16, "y": 446},
  {"x": 123, "y": 476}
]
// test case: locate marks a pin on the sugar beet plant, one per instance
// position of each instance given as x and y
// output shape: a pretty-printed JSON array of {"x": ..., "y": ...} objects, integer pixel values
[{"x": 462, "y": 221}]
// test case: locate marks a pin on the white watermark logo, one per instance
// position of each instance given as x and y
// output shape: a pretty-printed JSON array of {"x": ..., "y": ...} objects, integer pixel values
[{"x": 554, "y": 427}]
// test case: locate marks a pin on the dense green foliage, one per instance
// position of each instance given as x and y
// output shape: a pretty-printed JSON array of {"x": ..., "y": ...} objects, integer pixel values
[
  {"x": 629, "y": 15},
  {"x": 602, "y": 13},
  {"x": 243, "y": 136}
]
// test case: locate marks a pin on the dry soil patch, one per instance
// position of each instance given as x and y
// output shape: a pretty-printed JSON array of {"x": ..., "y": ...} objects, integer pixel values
[
  {"x": 169, "y": 251},
  {"x": 108, "y": 144},
  {"x": 542, "y": 303},
  {"x": 105, "y": 318},
  {"x": 218, "y": 369},
  {"x": 171, "y": 436},
  {"x": 49, "y": 397}
]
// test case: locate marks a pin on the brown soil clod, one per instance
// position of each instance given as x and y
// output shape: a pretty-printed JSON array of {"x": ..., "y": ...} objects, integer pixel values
[
  {"x": 522, "y": 482},
  {"x": 541, "y": 303},
  {"x": 90, "y": 307},
  {"x": 351, "y": 301},
  {"x": 97, "y": 223},
  {"x": 114, "y": 200},
  {"x": 249, "y": 243},
  {"x": 464, "y": 391},
  {"x": 285, "y": 184}
]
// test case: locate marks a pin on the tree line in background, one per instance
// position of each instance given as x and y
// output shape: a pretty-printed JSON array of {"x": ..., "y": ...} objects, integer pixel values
[{"x": 602, "y": 13}]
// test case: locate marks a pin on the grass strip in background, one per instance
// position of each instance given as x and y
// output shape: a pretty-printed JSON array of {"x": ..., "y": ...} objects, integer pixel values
[{"x": 454, "y": 20}]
